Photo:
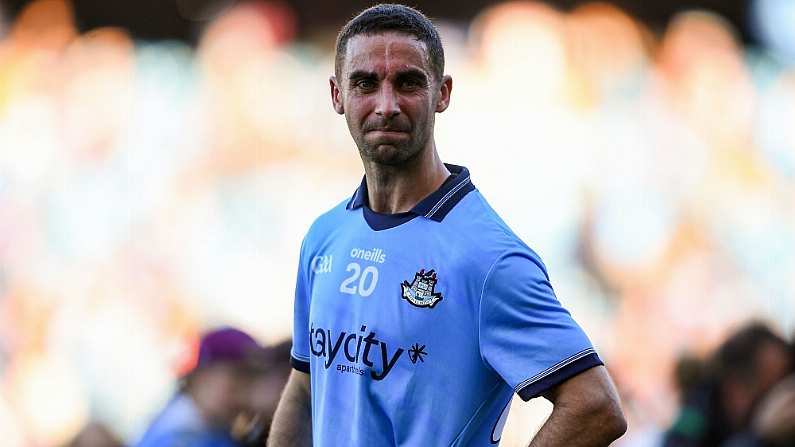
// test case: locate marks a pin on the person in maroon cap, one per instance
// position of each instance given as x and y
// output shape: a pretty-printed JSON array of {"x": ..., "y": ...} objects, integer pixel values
[{"x": 212, "y": 395}]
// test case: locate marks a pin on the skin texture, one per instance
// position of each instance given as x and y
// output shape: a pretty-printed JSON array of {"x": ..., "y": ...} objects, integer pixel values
[
  {"x": 586, "y": 412},
  {"x": 292, "y": 423},
  {"x": 389, "y": 98}
]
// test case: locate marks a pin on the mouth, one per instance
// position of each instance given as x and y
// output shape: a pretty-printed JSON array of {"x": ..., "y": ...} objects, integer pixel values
[
  {"x": 387, "y": 132},
  {"x": 387, "y": 137}
]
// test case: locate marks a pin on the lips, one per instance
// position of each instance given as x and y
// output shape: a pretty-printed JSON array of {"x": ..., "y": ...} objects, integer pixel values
[
  {"x": 387, "y": 126},
  {"x": 387, "y": 130},
  {"x": 387, "y": 135}
]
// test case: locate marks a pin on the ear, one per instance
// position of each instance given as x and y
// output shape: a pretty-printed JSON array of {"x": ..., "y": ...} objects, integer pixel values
[
  {"x": 445, "y": 89},
  {"x": 336, "y": 95}
]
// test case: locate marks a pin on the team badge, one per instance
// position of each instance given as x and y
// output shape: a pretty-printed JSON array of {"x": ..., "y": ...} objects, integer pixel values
[{"x": 420, "y": 292}]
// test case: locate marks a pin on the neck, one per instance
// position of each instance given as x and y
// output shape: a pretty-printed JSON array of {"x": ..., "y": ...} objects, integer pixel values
[{"x": 397, "y": 189}]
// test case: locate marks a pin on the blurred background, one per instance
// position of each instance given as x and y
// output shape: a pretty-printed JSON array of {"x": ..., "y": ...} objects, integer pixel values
[{"x": 161, "y": 160}]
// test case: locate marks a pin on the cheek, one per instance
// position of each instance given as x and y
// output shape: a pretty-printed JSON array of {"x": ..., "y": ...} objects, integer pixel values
[
  {"x": 418, "y": 107},
  {"x": 222, "y": 387},
  {"x": 418, "y": 114},
  {"x": 228, "y": 390},
  {"x": 358, "y": 108}
]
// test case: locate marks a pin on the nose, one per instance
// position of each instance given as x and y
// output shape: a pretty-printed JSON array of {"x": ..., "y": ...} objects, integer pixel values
[{"x": 387, "y": 106}]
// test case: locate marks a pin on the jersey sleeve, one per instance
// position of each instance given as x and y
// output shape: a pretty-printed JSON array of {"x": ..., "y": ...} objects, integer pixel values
[
  {"x": 299, "y": 355},
  {"x": 525, "y": 334}
]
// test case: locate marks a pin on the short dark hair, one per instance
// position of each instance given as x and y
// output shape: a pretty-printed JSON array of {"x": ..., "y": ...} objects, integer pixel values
[
  {"x": 392, "y": 17},
  {"x": 737, "y": 357}
]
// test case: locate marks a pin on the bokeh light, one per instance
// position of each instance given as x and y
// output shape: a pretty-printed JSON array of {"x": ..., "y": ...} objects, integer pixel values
[{"x": 150, "y": 190}]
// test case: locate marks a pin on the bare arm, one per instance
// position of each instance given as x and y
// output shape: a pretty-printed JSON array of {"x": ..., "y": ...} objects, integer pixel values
[
  {"x": 292, "y": 423},
  {"x": 586, "y": 412}
]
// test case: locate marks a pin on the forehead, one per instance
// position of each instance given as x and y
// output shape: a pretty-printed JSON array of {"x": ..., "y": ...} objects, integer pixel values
[{"x": 385, "y": 52}]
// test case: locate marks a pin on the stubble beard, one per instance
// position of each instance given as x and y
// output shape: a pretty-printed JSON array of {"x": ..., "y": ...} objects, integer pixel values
[
  {"x": 389, "y": 154},
  {"x": 393, "y": 155}
]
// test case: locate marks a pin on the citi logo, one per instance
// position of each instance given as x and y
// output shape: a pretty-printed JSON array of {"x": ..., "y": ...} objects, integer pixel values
[
  {"x": 321, "y": 264},
  {"x": 374, "y": 255}
]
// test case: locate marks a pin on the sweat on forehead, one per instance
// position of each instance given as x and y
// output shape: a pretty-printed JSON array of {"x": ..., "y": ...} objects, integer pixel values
[{"x": 384, "y": 52}]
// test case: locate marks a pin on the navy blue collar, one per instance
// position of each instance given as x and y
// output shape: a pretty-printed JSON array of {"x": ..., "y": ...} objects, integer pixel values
[{"x": 435, "y": 206}]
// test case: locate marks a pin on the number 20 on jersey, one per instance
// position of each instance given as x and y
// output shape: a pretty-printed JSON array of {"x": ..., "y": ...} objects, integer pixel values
[{"x": 359, "y": 281}]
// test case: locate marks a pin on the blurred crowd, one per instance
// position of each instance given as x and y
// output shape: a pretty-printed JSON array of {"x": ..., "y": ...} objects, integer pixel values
[
  {"x": 742, "y": 395},
  {"x": 152, "y": 190},
  {"x": 227, "y": 398}
]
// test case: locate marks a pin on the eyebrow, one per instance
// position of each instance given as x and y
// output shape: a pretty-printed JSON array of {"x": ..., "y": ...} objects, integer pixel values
[
  {"x": 413, "y": 73},
  {"x": 358, "y": 75},
  {"x": 361, "y": 74}
]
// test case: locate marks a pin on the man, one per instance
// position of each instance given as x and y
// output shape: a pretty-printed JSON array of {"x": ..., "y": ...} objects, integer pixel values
[
  {"x": 264, "y": 393},
  {"x": 418, "y": 313},
  {"x": 212, "y": 395},
  {"x": 720, "y": 409}
]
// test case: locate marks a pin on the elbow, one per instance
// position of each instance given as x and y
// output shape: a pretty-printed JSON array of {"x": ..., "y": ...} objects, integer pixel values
[
  {"x": 605, "y": 419},
  {"x": 600, "y": 416},
  {"x": 591, "y": 401},
  {"x": 618, "y": 425},
  {"x": 612, "y": 420}
]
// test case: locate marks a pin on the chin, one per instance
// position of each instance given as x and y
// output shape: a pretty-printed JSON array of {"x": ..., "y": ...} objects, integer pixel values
[{"x": 389, "y": 155}]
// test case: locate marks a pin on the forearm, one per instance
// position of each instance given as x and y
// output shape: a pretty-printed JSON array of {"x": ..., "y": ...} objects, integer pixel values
[{"x": 292, "y": 422}]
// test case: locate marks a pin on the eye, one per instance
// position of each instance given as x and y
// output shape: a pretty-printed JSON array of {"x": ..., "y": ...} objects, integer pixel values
[
  {"x": 365, "y": 84},
  {"x": 410, "y": 84}
]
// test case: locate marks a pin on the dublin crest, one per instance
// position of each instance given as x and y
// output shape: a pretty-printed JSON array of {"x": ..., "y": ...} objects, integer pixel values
[{"x": 420, "y": 292}]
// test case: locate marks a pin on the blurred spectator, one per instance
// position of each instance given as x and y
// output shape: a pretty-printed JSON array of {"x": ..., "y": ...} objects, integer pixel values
[
  {"x": 265, "y": 389},
  {"x": 212, "y": 395},
  {"x": 774, "y": 423},
  {"x": 689, "y": 373},
  {"x": 739, "y": 376},
  {"x": 146, "y": 187},
  {"x": 95, "y": 435}
]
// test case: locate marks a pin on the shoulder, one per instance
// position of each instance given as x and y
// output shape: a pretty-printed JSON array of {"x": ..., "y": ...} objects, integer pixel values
[
  {"x": 330, "y": 218},
  {"x": 178, "y": 424},
  {"x": 483, "y": 231},
  {"x": 173, "y": 438},
  {"x": 326, "y": 224}
]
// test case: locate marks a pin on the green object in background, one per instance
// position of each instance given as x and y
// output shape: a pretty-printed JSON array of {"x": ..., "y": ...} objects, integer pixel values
[{"x": 690, "y": 423}]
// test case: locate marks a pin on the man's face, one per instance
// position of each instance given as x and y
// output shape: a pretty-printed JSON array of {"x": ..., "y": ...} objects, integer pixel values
[
  {"x": 388, "y": 94},
  {"x": 221, "y": 391}
]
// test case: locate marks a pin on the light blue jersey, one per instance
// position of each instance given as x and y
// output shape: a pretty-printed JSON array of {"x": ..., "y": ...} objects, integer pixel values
[{"x": 417, "y": 328}]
